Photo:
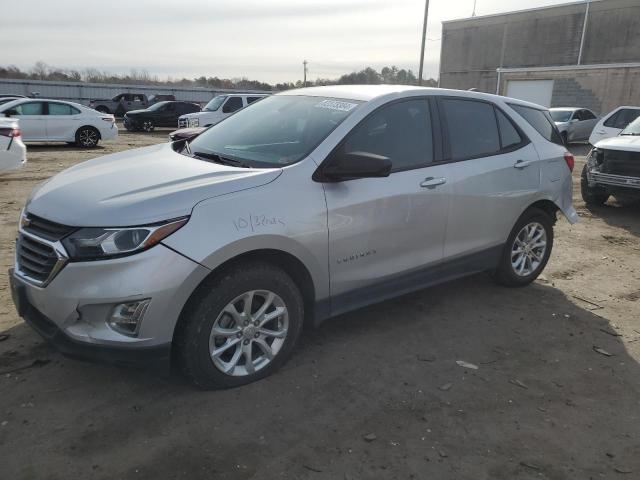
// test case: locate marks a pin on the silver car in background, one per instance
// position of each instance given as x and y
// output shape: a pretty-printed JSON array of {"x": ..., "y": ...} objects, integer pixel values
[
  {"x": 574, "y": 124},
  {"x": 311, "y": 203}
]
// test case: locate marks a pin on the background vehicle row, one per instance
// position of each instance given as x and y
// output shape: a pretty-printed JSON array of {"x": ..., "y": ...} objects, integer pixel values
[{"x": 59, "y": 121}]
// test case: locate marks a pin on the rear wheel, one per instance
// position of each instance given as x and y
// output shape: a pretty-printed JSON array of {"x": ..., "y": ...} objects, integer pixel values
[
  {"x": 240, "y": 327},
  {"x": 87, "y": 137},
  {"x": 527, "y": 250},
  {"x": 592, "y": 195}
]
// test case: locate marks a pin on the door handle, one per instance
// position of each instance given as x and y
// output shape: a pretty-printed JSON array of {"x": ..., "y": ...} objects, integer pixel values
[
  {"x": 522, "y": 164},
  {"x": 432, "y": 182},
  {"x": 601, "y": 132}
]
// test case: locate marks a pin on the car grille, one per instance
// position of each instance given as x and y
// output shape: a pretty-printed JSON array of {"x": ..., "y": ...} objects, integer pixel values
[
  {"x": 35, "y": 260},
  {"x": 46, "y": 229},
  {"x": 619, "y": 162},
  {"x": 38, "y": 259}
]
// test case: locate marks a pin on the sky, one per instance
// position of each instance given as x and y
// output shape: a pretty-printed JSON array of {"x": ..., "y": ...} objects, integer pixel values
[{"x": 263, "y": 40}]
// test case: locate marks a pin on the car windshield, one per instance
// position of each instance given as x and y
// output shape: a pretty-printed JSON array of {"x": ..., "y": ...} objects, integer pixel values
[
  {"x": 633, "y": 128},
  {"x": 274, "y": 132},
  {"x": 214, "y": 104},
  {"x": 157, "y": 106},
  {"x": 561, "y": 115}
]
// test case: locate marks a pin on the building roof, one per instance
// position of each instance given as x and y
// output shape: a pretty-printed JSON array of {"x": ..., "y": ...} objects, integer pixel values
[{"x": 526, "y": 10}]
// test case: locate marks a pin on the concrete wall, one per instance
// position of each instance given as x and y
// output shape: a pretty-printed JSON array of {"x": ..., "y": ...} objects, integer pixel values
[
  {"x": 472, "y": 49},
  {"x": 601, "y": 90}
]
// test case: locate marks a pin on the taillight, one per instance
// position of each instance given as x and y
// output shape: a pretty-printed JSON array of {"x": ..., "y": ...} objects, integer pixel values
[
  {"x": 570, "y": 160},
  {"x": 10, "y": 132}
]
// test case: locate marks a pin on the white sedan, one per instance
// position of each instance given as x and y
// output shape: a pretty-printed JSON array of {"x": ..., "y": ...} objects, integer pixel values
[
  {"x": 59, "y": 121},
  {"x": 13, "y": 153}
]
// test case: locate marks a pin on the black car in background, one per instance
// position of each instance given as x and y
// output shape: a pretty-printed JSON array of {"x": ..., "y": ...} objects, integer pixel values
[{"x": 161, "y": 114}]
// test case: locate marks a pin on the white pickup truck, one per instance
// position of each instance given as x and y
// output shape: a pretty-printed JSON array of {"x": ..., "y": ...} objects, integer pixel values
[{"x": 221, "y": 106}]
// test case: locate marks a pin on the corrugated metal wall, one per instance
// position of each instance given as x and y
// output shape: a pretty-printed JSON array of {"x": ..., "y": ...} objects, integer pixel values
[{"x": 83, "y": 92}]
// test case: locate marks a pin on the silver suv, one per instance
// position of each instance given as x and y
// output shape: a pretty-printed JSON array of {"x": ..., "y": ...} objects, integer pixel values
[{"x": 214, "y": 251}]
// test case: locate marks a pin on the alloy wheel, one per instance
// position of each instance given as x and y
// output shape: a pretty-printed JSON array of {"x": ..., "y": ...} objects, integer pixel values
[
  {"x": 248, "y": 333},
  {"x": 147, "y": 126},
  {"x": 88, "y": 137},
  {"x": 528, "y": 249}
]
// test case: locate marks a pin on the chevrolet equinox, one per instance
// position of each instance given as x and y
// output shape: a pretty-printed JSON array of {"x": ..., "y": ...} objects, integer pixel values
[{"x": 212, "y": 251}]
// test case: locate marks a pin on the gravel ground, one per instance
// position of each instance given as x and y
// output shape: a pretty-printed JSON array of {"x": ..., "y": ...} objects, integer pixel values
[{"x": 373, "y": 394}]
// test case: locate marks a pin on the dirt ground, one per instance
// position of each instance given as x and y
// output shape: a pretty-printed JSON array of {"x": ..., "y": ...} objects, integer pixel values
[{"x": 372, "y": 394}]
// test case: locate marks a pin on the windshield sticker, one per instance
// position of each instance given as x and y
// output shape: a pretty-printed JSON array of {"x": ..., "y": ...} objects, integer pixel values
[{"x": 337, "y": 105}]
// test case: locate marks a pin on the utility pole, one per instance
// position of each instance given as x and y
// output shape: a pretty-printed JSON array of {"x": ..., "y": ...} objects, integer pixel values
[
  {"x": 424, "y": 38},
  {"x": 304, "y": 82}
]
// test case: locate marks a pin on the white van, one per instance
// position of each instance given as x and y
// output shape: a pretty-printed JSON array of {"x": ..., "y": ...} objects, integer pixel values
[{"x": 221, "y": 106}]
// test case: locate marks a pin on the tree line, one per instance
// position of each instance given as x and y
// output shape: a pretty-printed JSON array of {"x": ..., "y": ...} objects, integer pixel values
[{"x": 42, "y": 71}]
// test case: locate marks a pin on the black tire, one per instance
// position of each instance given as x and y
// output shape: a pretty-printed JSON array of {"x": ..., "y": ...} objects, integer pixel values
[
  {"x": 87, "y": 137},
  {"x": 592, "y": 196},
  {"x": 191, "y": 340},
  {"x": 102, "y": 109},
  {"x": 505, "y": 274},
  {"x": 147, "y": 126}
]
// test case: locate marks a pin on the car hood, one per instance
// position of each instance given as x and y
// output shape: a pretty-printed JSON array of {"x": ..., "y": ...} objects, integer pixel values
[
  {"x": 138, "y": 187},
  {"x": 199, "y": 114},
  {"x": 628, "y": 143},
  {"x": 131, "y": 113}
]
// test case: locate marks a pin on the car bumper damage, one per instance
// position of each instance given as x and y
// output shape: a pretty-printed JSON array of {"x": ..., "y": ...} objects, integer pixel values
[
  {"x": 614, "y": 170},
  {"x": 120, "y": 311}
]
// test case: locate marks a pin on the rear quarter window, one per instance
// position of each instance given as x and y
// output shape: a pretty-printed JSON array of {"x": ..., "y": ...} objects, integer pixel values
[{"x": 541, "y": 121}]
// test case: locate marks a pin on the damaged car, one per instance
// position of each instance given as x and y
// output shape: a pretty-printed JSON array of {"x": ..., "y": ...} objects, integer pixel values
[{"x": 613, "y": 167}]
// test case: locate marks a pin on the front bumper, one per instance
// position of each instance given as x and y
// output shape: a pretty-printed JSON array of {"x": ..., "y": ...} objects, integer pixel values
[
  {"x": 129, "y": 122},
  {"x": 596, "y": 178},
  {"x": 72, "y": 311}
]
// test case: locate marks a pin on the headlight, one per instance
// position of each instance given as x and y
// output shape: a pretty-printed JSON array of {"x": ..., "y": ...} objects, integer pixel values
[
  {"x": 100, "y": 243},
  {"x": 595, "y": 157}
]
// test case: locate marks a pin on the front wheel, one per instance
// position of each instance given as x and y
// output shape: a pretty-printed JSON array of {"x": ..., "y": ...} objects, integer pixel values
[
  {"x": 592, "y": 195},
  {"x": 527, "y": 250},
  {"x": 87, "y": 137},
  {"x": 239, "y": 327},
  {"x": 148, "y": 126}
]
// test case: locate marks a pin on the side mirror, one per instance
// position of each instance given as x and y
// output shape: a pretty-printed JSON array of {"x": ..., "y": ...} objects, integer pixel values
[{"x": 353, "y": 165}]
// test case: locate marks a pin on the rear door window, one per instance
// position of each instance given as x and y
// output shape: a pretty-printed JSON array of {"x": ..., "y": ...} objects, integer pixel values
[
  {"x": 540, "y": 120},
  {"x": 62, "y": 109},
  {"x": 472, "y": 128},
  {"x": 232, "y": 104},
  {"x": 587, "y": 115}
]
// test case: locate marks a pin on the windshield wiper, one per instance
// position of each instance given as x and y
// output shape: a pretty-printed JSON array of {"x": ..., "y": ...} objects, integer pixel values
[{"x": 220, "y": 159}]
